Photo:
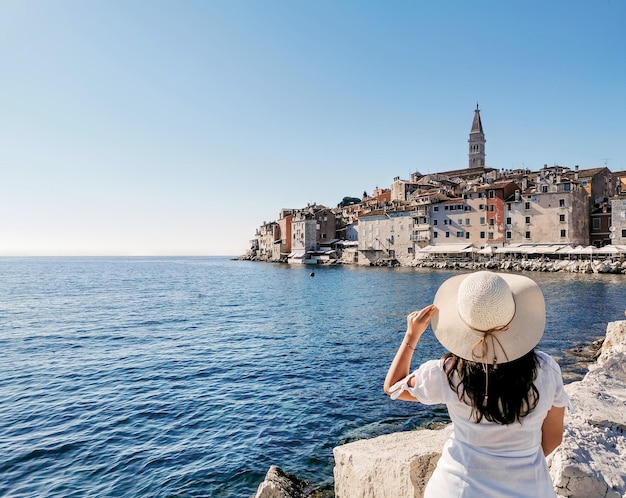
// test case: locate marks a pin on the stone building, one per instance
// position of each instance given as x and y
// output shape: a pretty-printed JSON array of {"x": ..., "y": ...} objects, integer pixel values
[
  {"x": 600, "y": 225},
  {"x": 599, "y": 183},
  {"x": 386, "y": 235},
  {"x": 618, "y": 220},
  {"x": 555, "y": 211},
  {"x": 282, "y": 240},
  {"x": 485, "y": 217},
  {"x": 447, "y": 221},
  {"x": 303, "y": 235},
  {"x": 265, "y": 237}
]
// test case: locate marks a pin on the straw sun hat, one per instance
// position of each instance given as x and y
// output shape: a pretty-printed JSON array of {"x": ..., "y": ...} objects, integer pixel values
[{"x": 489, "y": 317}]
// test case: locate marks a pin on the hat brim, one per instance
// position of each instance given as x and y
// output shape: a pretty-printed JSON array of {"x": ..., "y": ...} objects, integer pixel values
[{"x": 522, "y": 334}]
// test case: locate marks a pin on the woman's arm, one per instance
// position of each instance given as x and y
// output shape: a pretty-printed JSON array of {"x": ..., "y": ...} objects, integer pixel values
[
  {"x": 399, "y": 369},
  {"x": 552, "y": 429}
]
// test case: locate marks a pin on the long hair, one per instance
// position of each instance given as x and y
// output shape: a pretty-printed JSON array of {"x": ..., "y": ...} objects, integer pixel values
[{"x": 511, "y": 390}]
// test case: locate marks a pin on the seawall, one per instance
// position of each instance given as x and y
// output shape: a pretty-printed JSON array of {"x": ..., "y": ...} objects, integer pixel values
[{"x": 493, "y": 263}]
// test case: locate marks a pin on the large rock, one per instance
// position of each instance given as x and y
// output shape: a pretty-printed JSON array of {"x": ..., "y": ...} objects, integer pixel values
[
  {"x": 590, "y": 463},
  {"x": 391, "y": 466},
  {"x": 279, "y": 484}
]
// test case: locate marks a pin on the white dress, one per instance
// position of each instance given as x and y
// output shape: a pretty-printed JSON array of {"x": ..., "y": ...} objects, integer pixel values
[{"x": 487, "y": 459}]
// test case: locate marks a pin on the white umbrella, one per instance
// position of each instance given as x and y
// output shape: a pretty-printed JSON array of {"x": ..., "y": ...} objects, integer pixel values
[{"x": 610, "y": 249}]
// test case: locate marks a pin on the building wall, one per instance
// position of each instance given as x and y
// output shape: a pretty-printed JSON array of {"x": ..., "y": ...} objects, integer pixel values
[
  {"x": 599, "y": 224},
  {"x": 284, "y": 233},
  {"x": 304, "y": 233},
  {"x": 560, "y": 216},
  {"x": 448, "y": 222},
  {"x": 266, "y": 241},
  {"x": 326, "y": 227},
  {"x": 618, "y": 220},
  {"x": 386, "y": 235},
  {"x": 372, "y": 230},
  {"x": 421, "y": 226}
]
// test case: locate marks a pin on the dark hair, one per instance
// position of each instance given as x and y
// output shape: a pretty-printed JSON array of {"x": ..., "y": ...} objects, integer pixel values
[{"x": 512, "y": 393}]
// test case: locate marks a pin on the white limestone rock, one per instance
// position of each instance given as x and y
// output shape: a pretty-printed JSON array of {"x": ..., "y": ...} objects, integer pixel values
[
  {"x": 591, "y": 461},
  {"x": 390, "y": 466}
]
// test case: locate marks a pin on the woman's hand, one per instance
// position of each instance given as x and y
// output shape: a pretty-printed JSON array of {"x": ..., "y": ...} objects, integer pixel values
[
  {"x": 399, "y": 369},
  {"x": 417, "y": 323}
]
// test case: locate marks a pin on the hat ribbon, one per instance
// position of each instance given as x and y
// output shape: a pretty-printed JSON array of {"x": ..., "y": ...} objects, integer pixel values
[{"x": 484, "y": 350}]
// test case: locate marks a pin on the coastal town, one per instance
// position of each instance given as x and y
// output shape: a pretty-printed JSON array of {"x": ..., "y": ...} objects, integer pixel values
[{"x": 478, "y": 212}]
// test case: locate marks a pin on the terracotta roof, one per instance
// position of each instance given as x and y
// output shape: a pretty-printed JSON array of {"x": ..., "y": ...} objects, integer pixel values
[{"x": 590, "y": 172}]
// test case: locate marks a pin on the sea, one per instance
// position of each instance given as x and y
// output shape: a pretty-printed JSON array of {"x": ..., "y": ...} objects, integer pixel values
[{"x": 190, "y": 377}]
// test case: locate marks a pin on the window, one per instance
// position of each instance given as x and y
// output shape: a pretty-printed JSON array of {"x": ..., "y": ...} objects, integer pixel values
[
  {"x": 482, "y": 220},
  {"x": 508, "y": 206},
  {"x": 508, "y": 235},
  {"x": 527, "y": 205},
  {"x": 563, "y": 233},
  {"x": 544, "y": 188},
  {"x": 435, "y": 222},
  {"x": 435, "y": 235},
  {"x": 623, "y": 233},
  {"x": 596, "y": 223},
  {"x": 467, "y": 235},
  {"x": 528, "y": 220},
  {"x": 528, "y": 235},
  {"x": 447, "y": 235},
  {"x": 322, "y": 236},
  {"x": 460, "y": 221},
  {"x": 436, "y": 208},
  {"x": 562, "y": 218},
  {"x": 491, "y": 194},
  {"x": 492, "y": 208},
  {"x": 508, "y": 221},
  {"x": 481, "y": 206},
  {"x": 561, "y": 202},
  {"x": 410, "y": 250},
  {"x": 446, "y": 208},
  {"x": 490, "y": 235},
  {"x": 482, "y": 235},
  {"x": 567, "y": 187},
  {"x": 446, "y": 222},
  {"x": 459, "y": 235},
  {"x": 492, "y": 221}
]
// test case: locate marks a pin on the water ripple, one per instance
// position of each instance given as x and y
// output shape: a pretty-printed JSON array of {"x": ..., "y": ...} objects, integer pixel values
[{"x": 151, "y": 377}]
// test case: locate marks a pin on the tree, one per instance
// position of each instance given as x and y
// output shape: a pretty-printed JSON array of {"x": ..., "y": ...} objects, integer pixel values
[{"x": 349, "y": 201}]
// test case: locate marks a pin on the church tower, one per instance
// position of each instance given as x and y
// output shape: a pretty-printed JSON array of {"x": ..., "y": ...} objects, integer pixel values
[{"x": 477, "y": 142}]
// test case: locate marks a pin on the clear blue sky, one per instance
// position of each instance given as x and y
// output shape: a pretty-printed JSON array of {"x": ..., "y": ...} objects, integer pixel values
[{"x": 178, "y": 127}]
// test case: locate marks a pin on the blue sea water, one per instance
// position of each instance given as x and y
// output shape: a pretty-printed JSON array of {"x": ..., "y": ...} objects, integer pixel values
[{"x": 163, "y": 377}]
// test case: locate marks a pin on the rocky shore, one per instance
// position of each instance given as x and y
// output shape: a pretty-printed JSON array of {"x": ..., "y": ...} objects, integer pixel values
[
  {"x": 591, "y": 461},
  {"x": 545, "y": 264}
]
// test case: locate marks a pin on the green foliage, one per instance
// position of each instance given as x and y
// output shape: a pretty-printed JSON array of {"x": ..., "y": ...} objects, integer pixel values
[{"x": 349, "y": 201}]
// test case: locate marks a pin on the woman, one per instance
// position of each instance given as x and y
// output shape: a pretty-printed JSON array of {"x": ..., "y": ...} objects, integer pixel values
[{"x": 505, "y": 399}]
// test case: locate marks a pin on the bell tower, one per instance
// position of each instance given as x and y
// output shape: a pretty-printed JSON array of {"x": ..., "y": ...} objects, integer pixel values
[{"x": 476, "y": 142}]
